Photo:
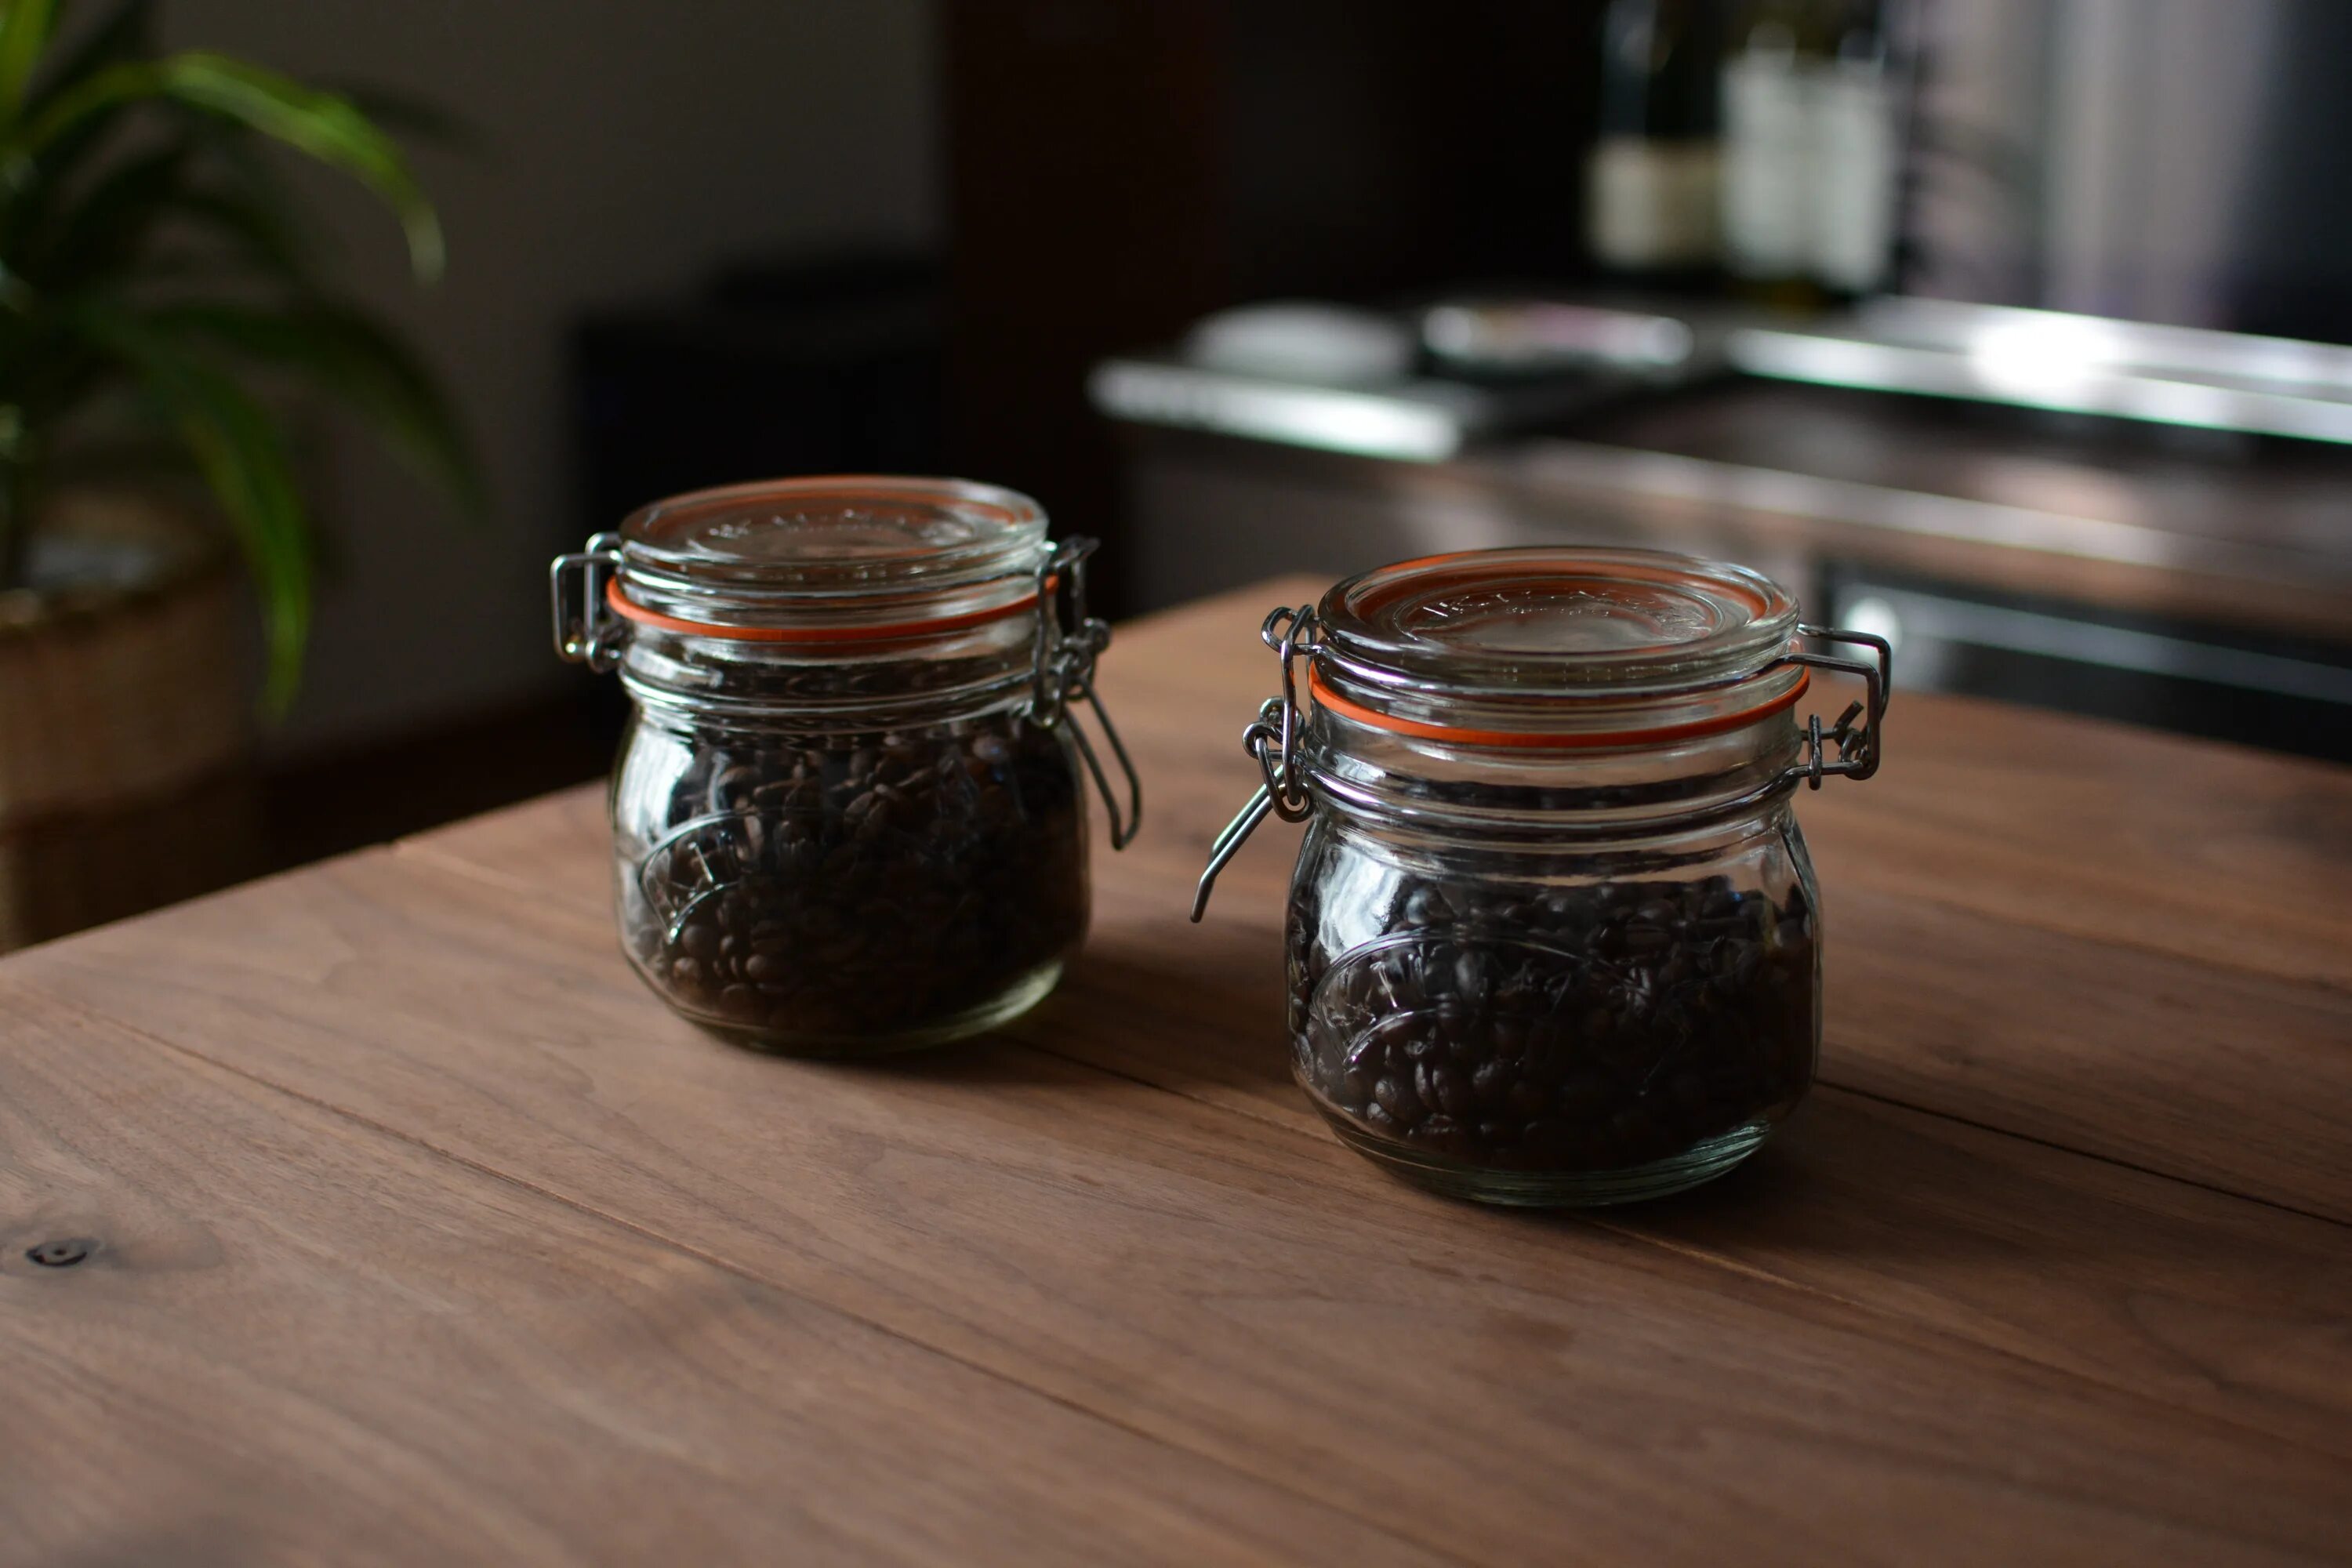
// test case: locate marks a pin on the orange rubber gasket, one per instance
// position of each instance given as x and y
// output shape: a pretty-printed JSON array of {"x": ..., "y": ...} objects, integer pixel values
[
  {"x": 629, "y": 609},
  {"x": 1323, "y": 696}
]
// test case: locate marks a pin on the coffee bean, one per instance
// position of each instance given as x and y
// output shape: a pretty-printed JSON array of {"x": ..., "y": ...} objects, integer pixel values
[
  {"x": 1653, "y": 1017},
  {"x": 1584, "y": 1096},
  {"x": 1446, "y": 1087},
  {"x": 1425, "y": 906},
  {"x": 1396, "y": 1097},
  {"x": 857, "y": 888},
  {"x": 729, "y": 786},
  {"x": 1470, "y": 978}
]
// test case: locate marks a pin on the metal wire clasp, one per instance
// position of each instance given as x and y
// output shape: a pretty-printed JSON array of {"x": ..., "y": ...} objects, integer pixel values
[
  {"x": 1069, "y": 641},
  {"x": 1857, "y": 748},
  {"x": 584, "y": 633},
  {"x": 1273, "y": 739}
]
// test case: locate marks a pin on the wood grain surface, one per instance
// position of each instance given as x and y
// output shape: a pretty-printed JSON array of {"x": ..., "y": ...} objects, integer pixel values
[
  {"x": 428, "y": 1235},
  {"x": 303, "y": 1338}
]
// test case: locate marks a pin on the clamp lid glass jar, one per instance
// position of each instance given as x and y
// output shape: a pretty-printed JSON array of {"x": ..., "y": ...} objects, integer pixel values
[
  {"x": 848, "y": 812},
  {"x": 1553, "y": 936}
]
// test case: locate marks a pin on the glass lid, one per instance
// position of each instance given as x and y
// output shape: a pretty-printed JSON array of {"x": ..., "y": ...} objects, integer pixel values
[
  {"x": 840, "y": 556},
  {"x": 1564, "y": 620},
  {"x": 838, "y": 533}
]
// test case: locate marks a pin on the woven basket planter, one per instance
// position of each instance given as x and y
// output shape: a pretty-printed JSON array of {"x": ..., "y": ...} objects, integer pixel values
[{"x": 124, "y": 720}]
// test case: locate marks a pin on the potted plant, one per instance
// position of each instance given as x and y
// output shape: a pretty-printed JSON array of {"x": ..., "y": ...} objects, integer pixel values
[{"x": 162, "y": 298}]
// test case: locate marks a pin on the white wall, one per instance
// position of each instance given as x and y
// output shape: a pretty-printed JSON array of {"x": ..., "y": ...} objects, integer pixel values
[{"x": 626, "y": 147}]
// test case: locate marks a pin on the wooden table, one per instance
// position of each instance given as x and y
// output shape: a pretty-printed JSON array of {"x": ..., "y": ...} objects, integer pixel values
[{"x": 422, "y": 1233}]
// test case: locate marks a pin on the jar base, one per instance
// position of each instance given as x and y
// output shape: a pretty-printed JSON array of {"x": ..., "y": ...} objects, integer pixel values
[
  {"x": 1700, "y": 1163},
  {"x": 1000, "y": 1009}
]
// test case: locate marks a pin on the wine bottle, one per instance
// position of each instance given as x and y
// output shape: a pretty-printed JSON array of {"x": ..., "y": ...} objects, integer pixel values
[
  {"x": 1855, "y": 156},
  {"x": 1770, "y": 146},
  {"x": 1652, "y": 184}
]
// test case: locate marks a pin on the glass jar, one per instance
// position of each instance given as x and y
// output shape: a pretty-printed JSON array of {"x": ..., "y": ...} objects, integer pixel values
[
  {"x": 1553, "y": 937},
  {"x": 848, "y": 812}
]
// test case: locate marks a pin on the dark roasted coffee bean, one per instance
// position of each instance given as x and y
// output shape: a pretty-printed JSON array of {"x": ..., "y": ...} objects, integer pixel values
[
  {"x": 1447, "y": 1089},
  {"x": 1395, "y": 1096},
  {"x": 1689, "y": 1092},
  {"x": 1425, "y": 906},
  {"x": 848, "y": 894},
  {"x": 1527, "y": 1098},
  {"x": 1651, "y": 1016},
  {"x": 730, "y": 787},
  {"x": 1546, "y": 1060},
  {"x": 1470, "y": 978},
  {"x": 1545, "y": 1138},
  {"x": 1584, "y": 1096}
]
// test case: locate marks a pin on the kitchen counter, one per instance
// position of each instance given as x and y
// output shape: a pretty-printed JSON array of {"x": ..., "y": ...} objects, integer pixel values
[
  {"x": 2214, "y": 528},
  {"x": 385, "y": 1215}
]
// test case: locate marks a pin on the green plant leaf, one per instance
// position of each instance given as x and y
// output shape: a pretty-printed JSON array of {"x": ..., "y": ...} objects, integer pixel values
[
  {"x": 125, "y": 34},
  {"x": 267, "y": 236},
  {"x": 24, "y": 32},
  {"x": 128, "y": 33},
  {"x": 276, "y": 217},
  {"x": 346, "y": 353},
  {"x": 323, "y": 125},
  {"x": 104, "y": 232},
  {"x": 153, "y": 219},
  {"x": 238, "y": 448},
  {"x": 257, "y": 233}
]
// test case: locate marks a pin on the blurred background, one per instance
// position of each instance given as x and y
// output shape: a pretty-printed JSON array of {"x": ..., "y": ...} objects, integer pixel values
[{"x": 2011, "y": 329}]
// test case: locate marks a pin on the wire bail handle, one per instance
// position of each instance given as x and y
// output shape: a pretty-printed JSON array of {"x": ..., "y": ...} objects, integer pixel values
[
  {"x": 584, "y": 633},
  {"x": 1069, "y": 641},
  {"x": 1857, "y": 748},
  {"x": 1273, "y": 736},
  {"x": 1273, "y": 739}
]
